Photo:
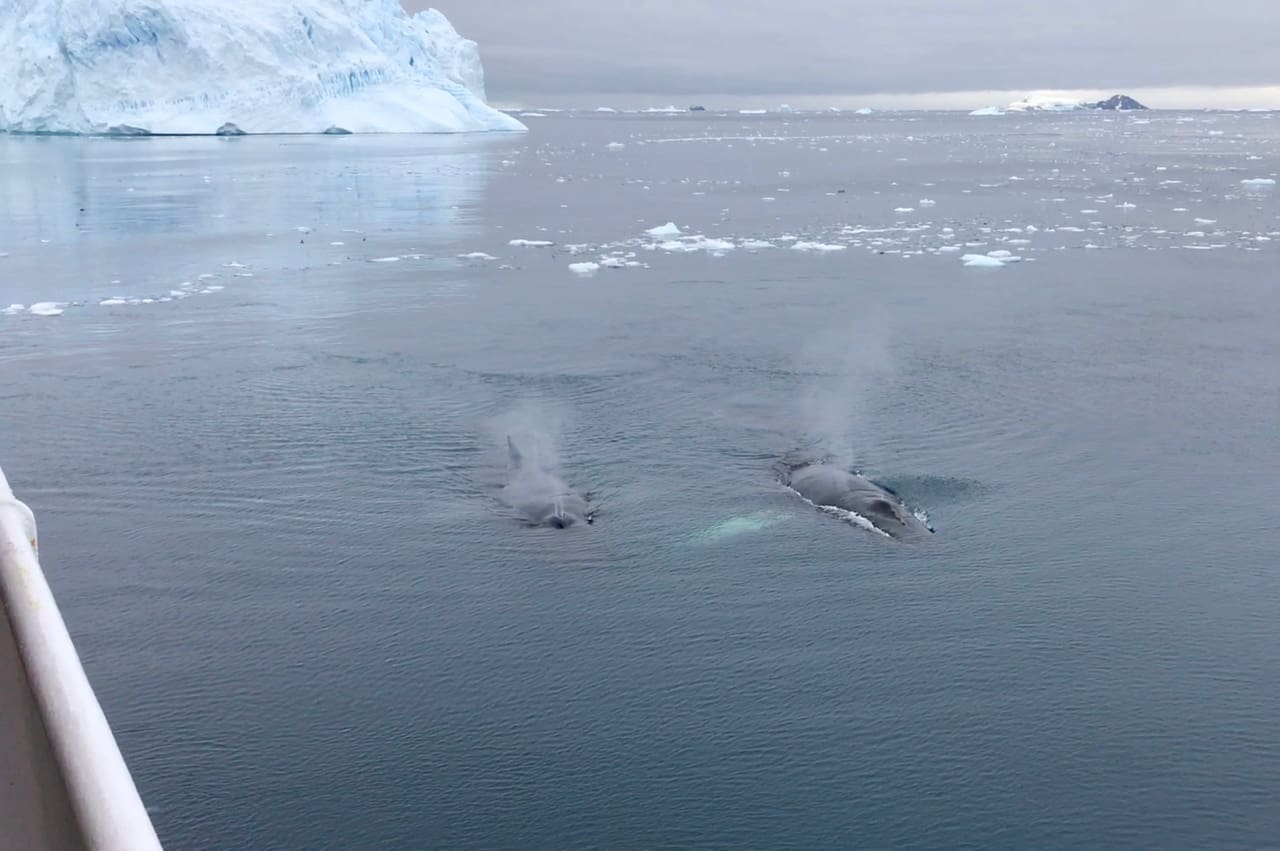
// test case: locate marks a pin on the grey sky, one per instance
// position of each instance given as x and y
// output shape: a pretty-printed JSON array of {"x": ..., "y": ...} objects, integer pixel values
[{"x": 540, "y": 49}]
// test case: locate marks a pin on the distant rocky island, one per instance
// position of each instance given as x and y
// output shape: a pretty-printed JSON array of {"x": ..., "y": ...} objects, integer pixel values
[
  {"x": 1051, "y": 103},
  {"x": 1118, "y": 102}
]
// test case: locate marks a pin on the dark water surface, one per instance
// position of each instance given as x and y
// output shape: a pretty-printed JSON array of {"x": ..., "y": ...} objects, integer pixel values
[{"x": 267, "y": 502}]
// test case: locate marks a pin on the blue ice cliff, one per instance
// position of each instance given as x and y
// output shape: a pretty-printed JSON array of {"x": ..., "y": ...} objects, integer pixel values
[{"x": 264, "y": 66}]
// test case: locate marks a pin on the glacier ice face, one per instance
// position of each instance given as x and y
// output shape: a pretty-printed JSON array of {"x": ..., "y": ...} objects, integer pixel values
[{"x": 267, "y": 66}]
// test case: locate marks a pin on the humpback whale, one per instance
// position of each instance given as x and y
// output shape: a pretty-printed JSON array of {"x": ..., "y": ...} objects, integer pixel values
[
  {"x": 539, "y": 496},
  {"x": 828, "y": 486}
]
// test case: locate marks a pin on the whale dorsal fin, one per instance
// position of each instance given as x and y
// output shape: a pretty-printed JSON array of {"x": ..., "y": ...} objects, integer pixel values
[{"x": 514, "y": 454}]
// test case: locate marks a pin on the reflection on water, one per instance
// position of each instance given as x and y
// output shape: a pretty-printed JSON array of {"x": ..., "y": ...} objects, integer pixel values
[{"x": 77, "y": 214}]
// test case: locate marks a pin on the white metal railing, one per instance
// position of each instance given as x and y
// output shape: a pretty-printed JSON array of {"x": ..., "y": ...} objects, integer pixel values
[{"x": 98, "y": 786}]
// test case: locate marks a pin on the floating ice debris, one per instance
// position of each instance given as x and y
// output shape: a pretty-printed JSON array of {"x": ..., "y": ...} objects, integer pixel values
[
  {"x": 1206, "y": 221},
  {"x": 605, "y": 109},
  {"x": 476, "y": 255},
  {"x": 337, "y": 243},
  {"x": 1258, "y": 182},
  {"x": 392, "y": 259},
  {"x": 233, "y": 265},
  {"x": 530, "y": 243},
  {"x": 612, "y": 262},
  {"x": 669, "y": 229},
  {"x": 46, "y": 308},
  {"x": 904, "y": 209},
  {"x": 686, "y": 244},
  {"x": 14, "y": 309},
  {"x": 1004, "y": 256},
  {"x": 752, "y": 244},
  {"x": 584, "y": 269},
  {"x": 615, "y": 146},
  {"x": 927, "y": 202},
  {"x": 114, "y": 301},
  {"x": 303, "y": 229},
  {"x": 988, "y": 110},
  {"x": 533, "y": 115},
  {"x": 982, "y": 260},
  {"x": 816, "y": 246},
  {"x": 752, "y": 111}
]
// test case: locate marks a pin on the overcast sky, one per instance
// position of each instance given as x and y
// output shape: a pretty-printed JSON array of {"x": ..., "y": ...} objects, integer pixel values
[{"x": 562, "y": 50}]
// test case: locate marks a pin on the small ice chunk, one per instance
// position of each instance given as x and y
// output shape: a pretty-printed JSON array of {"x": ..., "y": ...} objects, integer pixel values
[
  {"x": 904, "y": 209},
  {"x": 1206, "y": 221},
  {"x": 531, "y": 243},
  {"x": 988, "y": 110},
  {"x": 615, "y": 146},
  {"x": 1258, "y": 182},
  {"x": 392, "y": 259},
  {"x": 697, "y": 243},
  {"x": 46, "y": 308},
  {"x": 669, "y": 229},
  {"x": 751, "y": 244},
  {"x": 584, "y": 269},
  {"x": 981, "y": 260},
  {"x": 927, "y": 202},
  {"x": 113, "y": 301},
  {"x": 476, "y": 255},
  {"x": 14, "y": 309},
  {"x": 816, "y": 246}
]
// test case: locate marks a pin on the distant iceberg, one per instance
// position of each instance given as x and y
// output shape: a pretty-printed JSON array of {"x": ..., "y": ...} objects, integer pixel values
[{"x": 266, "y": 66}]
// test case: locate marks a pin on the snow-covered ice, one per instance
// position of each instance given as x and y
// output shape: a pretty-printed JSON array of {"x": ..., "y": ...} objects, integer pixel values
[
  {"x": 982, "y": 260},
  {"x": 192, "y": 66},
  {"x": 530, "y": 243},
  {"x": 669, "y": 229},
  {"x": 46, "y": 308},
  {"x": 816, "y": 246},
  {"x": 585, "y": 269}
]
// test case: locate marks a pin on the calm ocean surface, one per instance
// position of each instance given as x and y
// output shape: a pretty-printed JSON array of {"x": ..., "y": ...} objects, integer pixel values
[{"x": 262, "y": 440}]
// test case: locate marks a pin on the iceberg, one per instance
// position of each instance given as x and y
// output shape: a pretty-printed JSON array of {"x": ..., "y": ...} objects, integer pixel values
[{"x": 271, "y": 66}]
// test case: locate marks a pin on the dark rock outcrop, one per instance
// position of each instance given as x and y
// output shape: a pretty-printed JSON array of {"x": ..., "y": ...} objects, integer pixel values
[
  {"x": 337, "y": 131},
  {"x": 229, "y": 129},
  {"x": 1122, "y": 102}
]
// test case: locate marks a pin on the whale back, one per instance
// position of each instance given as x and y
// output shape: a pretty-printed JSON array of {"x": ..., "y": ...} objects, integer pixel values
[{"x": 831, "y": 486}]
